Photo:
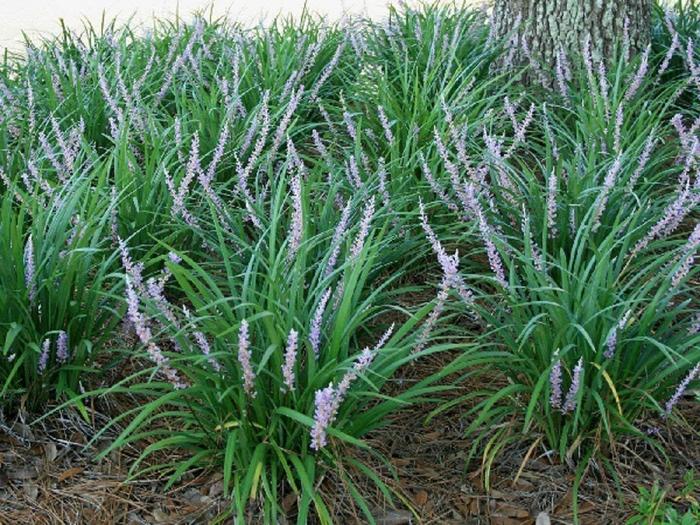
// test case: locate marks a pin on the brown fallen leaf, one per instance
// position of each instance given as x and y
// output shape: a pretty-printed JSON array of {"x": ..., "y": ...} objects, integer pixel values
[
  {"x": 420, "y": 498},
  {"x": 510, "y": 511},
  {"x": 67, "y": 474}
]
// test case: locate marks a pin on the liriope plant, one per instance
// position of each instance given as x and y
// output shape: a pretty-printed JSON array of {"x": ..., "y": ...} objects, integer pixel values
[
  {"x": 271, "y": 344},
  {"x": 58, "y": 306}
]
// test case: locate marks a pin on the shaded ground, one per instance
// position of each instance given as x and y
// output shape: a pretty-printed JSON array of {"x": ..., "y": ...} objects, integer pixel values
[{"x": 46, "y": 477}]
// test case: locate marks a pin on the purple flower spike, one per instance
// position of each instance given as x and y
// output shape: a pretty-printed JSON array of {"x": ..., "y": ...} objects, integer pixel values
[
  {"x": 364, "y": 229},
  {"x": 552, "y": 205},
  {"x": 681, "y": 390},
  {"x": 338, "y": 235},
  {"x": 297, "y": 227},
  {"x": 570, "y": 402},
  {"x": 385, "y": 125},
  {"x": 44, "y": 357},
  {"x": 324, "y": 415},
  {"x": 244, "y": 358},
  {"x": 30, "y": 270},
  {"x": 611, "y": 344},
  {"x": 555, "y": 385},
  {"x": 290, "y": 357},
  {"x": 315, "y": 331},
  {"x": 62, "y": 352},
  {"x": 687, "y": 256}
]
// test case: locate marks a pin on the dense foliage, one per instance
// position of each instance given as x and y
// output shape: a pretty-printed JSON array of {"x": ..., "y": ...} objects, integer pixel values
[{"x": 246, "y": 223}]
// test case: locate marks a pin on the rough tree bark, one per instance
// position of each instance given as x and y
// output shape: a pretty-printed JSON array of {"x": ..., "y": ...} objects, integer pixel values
[{"x": 542, "y": 27}]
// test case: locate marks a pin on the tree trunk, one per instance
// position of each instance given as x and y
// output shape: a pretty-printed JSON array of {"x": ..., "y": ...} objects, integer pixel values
[{"x": 541, "y": 29}]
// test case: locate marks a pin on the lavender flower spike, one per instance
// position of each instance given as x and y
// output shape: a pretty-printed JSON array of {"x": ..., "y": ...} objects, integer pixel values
[
  {"x": 244, "y": 358},
  {"x": 688, "y": 257},
  {"x": 364, "y": 229},
  {"x": 139, "y": 322},
  {"x": 555, "y": 385},
  {"x": 338, "y": 234},
  {"x": 611, "y": 344},
  {"x": 324, "y": 415},
  {"x": 570, "y": 402},
  {"x": 62, "y": 353},
  {"x": 297, "y": 227},
  {"x": 639, "y": 76},
  {"x": 328, "y": 400},
  {"x": 434, "y": 315},
  {"x": 315, "y": 331},
  {"x": 204, "y": 346},
  {"x": 386, "y": 125},
  {"x": 552, "y": 205},
  {"x": 681, "y": 390},
  {"x": 44, "y": 357},
  {"x": 30, "y": 270},
  {"x": 290, "y": 357}
]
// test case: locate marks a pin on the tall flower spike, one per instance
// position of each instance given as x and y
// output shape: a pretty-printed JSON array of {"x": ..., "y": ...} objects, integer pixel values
[
  {"x": 283, "y": 125},
  {"x": 44, "y": 356},
  {"x": 552, "y": 205},
  {"x": 353, "y": 172},
  {"x": 608, "y": 185},
  {"x": 386, "y": 125},
  {"x": 681, "y": 390},
  {"x": 204, "y": 346},
  {"x": 673, "y": 215},
  {"x": 435, "y": 185},
  {"x": 491, "y": 251},
  {"x": 675, "y": 44},
  {"x": 449, "y": 263},
  {"x": 570, "y": 402},
  {"x": 296, "y": 228},
  {"x": 611, "y": 344},
  {"x": 639, "y": 76},
  {"x": 327, "y": 71},
  {"x": 338, "y": 235},
  {"x": 687, "y": 256},
  {"x": 315, "y": 329},
  {"x": 138, "y": 320},
  {"x": 359, "y": 366},
  {"x": 555, "y": 397},
  {"x": 290, "y": 357},
  {"x": 244, "y": 358},
  {"x": 62, "y": 353},
  {"x": 30, "y": 270},
  {"x": 643, "y": 159},
  {"x": 435, "y": 313},
  {"x": 350, "y": 125},
  {"x": 364, "y": 229},
  {"x": 324, "y": 415}
]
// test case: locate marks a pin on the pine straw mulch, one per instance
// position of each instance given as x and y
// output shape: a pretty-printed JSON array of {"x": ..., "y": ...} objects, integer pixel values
[
  {"x": 47, "y": 477},
  {"x": 430, "y": 471}
]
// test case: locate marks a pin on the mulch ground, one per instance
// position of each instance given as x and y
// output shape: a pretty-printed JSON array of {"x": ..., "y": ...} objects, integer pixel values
[{"x": 48, "y": 477}]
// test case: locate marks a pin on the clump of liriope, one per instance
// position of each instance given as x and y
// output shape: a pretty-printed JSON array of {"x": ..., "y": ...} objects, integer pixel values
[
  {"x": 265, "y": 367},
  {"x": 589, "y": 239},
  {"x": 54, "y": 288}
]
